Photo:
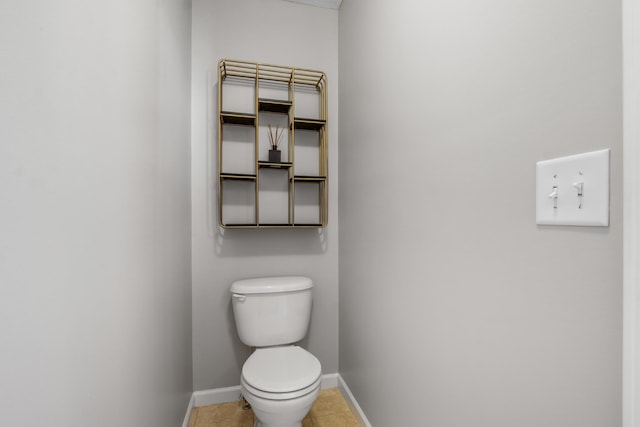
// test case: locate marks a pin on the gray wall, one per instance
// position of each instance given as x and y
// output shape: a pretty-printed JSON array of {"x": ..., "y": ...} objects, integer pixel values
[
  {"x": 455, "y": 308},
  {"x": 95, "y": 317},
  {"x": 275, "y": 32}
]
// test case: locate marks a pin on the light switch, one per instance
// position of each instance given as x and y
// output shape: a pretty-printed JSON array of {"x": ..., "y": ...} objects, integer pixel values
[{"x": 573, "y": 190}]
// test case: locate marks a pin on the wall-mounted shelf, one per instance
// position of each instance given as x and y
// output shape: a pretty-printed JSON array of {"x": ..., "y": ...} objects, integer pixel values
[
  {"x": 254, "y": 192},
  {"x": 274, "y": 105},
  {"x": 237, "y": 176},
  {"x": 308, "y": 124},
  {"x": 275, "y": 165},
  {"x": 237, "y": 119}
]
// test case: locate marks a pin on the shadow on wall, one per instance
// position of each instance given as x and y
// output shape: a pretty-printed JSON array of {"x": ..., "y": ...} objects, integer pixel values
[
  {"x": 573, "y": 229},
  {"x": 240, "y": 351},
  {"x": 272, "y": 242}
]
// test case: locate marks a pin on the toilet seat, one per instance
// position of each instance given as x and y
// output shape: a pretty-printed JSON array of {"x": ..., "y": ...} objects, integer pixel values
[
  {"x": 281, "y": 372},
  {"x": 247, "y": 389}
]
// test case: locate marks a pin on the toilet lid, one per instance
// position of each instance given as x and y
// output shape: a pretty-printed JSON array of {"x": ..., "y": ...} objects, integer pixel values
[{"x": 281, "y": 369}]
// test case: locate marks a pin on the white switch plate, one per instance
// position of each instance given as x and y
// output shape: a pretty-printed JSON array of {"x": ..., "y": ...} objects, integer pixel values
[{"x": 591, "y": 169}]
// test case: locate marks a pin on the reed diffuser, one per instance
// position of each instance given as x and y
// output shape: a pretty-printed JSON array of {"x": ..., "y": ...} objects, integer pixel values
[{"x": 275, "y": 136}]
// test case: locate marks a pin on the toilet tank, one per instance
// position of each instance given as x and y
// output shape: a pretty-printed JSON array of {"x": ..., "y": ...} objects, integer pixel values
[{"x": 272, "y": 310}]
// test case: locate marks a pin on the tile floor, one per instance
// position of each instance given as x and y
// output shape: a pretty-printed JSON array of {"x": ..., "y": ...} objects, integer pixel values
[{"x": 329, "y": 410}]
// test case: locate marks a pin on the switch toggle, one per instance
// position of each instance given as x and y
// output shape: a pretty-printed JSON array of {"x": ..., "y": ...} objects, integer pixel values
[
  {"x": 554, "y": 196},
  {"x": 580, "y": 187}
]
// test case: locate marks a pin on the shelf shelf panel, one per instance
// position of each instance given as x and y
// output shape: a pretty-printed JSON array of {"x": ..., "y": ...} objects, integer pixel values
[
  {"x": 238, "y": 176},
  {"x": 308, "y": 225},
  {"x": 309, "y": 178},
  {"x": 274, "y": 105},
  {"x": 275, "y": 165},
  {"x": 230, "y": 118},
  {"x": 253, "y": 225},
  {"x": 309, "y": 124}
]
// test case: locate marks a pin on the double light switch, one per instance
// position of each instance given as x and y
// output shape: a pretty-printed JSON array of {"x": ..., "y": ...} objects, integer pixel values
[{"x": 573, "y": 190}]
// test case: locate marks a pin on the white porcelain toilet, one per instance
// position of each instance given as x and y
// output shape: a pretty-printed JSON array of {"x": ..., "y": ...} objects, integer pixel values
[{"x": 280, "y": 380}]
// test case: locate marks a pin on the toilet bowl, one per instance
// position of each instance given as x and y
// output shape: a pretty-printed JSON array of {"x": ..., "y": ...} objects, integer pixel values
[
  {"x": 280, "y": 380},
  {"x": 281, "y": 384}
]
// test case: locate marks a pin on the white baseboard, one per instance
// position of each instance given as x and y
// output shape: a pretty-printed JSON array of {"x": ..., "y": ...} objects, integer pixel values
[
  {"x": 329, "y": 381},
  {"x": 187, "y": 416},
  {"x": 231, "y": 394},
  {"x": 216, "y": 395},
  {"x": 352, "y": 402}
]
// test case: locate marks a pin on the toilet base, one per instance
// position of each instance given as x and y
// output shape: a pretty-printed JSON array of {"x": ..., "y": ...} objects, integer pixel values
[{"x": 280, "y": 413}]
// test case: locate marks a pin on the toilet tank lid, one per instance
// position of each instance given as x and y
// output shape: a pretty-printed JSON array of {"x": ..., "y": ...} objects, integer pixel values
[{"x": 270, "y": 285}]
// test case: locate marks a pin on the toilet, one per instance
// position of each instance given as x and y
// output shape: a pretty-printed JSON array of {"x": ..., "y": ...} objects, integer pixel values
[{"x": 280, "y": 379}]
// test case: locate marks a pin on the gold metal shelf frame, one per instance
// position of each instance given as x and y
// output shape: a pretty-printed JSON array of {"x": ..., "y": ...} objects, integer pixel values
[{"x": 292, "y": 79}]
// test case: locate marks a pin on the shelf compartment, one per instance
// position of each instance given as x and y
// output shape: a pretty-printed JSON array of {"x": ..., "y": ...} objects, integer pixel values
[
  {"x": 278, "y": 122},
  {"x": 309, "y": 201},
  {"x": 229, "y": 118},
  {"x": 308, "y": 124},
  {"x": 237, "y": 200},
  {"x": 274, "y": 105},
  {"x": 274, "y": 198},
  {"x": 238, "y": 147}
]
